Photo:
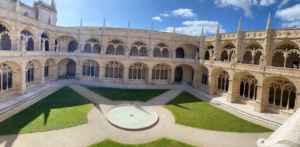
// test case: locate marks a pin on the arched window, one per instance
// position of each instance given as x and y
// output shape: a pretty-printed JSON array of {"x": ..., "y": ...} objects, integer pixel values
[
  {"x": 45, "y": 42},
  {"x": 115, "y": 47},
  {"x": 287, "y": 56},
  {"x": 160, "y": 72},
  {"x": 5, "y": 77},
  {"x": 73, "y": 46},
  {"x": 252, "y": 54},
  {"x": 223, "y": 82},
  {"x": 208, "y": 52},
  {"x": 30, "y": 73},
  {"x": 248, "y": 88},
  {"x": 138, "y": 49},
  {"x": 282, "y": 94},
  {"x": 161, "y": 50},
  {"x": 114, "y": 70},
  {"x": 5, "y": 42},
  {"x": 92, "y": 46},
  {"x": 227, "y": 52},
  {"x": 180, "y": 53},
  {"x": 138, "y": 71},
  {"x": 205, "y": 77},
  {"x": 90, "y": 69},
  {"x": 46, "y": 75},
  {"x": 27, "y": 40}
]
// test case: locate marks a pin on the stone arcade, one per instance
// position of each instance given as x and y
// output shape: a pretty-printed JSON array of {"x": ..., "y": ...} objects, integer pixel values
[{"x": 256, "y": 68}]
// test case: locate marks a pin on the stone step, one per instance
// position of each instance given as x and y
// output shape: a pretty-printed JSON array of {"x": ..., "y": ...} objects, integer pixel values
[{"x": 35, "y": 97}]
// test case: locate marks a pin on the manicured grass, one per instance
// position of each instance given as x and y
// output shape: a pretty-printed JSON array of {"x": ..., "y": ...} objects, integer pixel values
[
  {"x": 164, "y": 142},
  {"x": 190, "y": 111},
  {"x": 116, "y": 94},
  {"x": 62, "y": 109}
]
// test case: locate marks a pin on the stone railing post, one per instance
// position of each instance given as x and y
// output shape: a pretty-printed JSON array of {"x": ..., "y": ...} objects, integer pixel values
[{"x": 149, "y": 76}]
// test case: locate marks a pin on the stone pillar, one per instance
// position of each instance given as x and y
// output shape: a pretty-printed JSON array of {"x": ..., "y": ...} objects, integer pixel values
[
  {"x": 297, "y": 102},
  {"x": 149, "y": 76},
  {"x": 102, "y": 73},
  {"x": 56, "y": 71},
  {"x": 232, "y": 92},
  {"x": 78, "y": 72},
  {"x": 260, "y": 103},
  {"x": 23, "y": 81},
  {"x": 125, "y": 78},
  {"x": 211, "y": 84},
  {"x": 103, "y": 50},
  {"x": 195, "y": 84},
  {"x": 172, "y": 80},
  {"x": 42, "y": 69}
]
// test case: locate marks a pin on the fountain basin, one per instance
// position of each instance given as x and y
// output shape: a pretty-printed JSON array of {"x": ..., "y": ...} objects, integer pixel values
[{"x": 131, "y": 117}]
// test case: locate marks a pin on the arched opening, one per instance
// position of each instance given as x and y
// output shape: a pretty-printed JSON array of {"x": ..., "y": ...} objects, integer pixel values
[
  {"x": 27, "y": 36},
  {"x": 92, "y": 46},
  {"x": 138, "y": 49},
  {"x": 248, "y": 88},
  {"x": 114, "y": 70},
  {"x": 30, "y": 73},
  {"x": 180, "y": 53},
  {"x": 160, "y": 72},
  {"x": 252, "y": 54},
  {"x": 90, "y": 68},
  {"x": 71, "y": 69},
  {"x": 287, "y": 56},
  {"x": 67, "y": 69},
  {"x": 5, "y": 42},
  {"x": 73, "y": 45},
  {"x": 5, "y": 78},
  {"x": 205, "y": 77},
  {"x": 223, "y": 81},
  {"x": 49, "y": 69},
  {"x": 46, "y": 72},
  {"x": 56, "y": 46},
  {"x": 207, "y": 52},
  {"x": 227, "y": 52},
  {"x": 178, "y": 75},
  {"x": 161, "y": 50},
  {"x": 45, "y": 42},
  {"x": 115, "y": 47},
  {"x": 138, "y": 71},
  {"x": 282, "y": 94}
]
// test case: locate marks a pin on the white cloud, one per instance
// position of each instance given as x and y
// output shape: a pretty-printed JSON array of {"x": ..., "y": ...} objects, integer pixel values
[
  {"x": 267, "y": 2},
  {"x": 195, "y": 27},
  {"x": 165, "y": 15},
  {"x": 284, "y": 2},
  {"x": 185, "y": 13},
  {"x": 157, "y": 18},
  {"x": 290, "y": 16},
  {"x": 237, "y": 4}
]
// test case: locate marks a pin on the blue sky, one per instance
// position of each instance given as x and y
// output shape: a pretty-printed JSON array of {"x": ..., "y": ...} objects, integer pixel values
[{"x": 187, "y": 15}]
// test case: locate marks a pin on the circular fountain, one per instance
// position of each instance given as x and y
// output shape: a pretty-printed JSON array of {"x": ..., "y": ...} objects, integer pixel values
[{"x": 131, "y": 117}]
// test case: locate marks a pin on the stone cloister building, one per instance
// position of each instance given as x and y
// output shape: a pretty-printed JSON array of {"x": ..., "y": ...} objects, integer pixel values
[{"x": 256, "y": 68}]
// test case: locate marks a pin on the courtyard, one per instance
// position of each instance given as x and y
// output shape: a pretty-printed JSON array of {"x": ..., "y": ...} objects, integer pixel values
[{"x": 184, "y": 120}]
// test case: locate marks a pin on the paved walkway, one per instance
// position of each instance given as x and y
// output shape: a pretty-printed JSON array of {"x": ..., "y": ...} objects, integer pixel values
[{"x": 97, "y": 129}]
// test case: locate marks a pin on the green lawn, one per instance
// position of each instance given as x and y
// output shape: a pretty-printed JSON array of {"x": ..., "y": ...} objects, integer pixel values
[
  {"x": 62, "y": 109},
  {"x": 164, "y": 142},
  {"x": 116, "y": 94},
  {"x": 190, "y": 111}
]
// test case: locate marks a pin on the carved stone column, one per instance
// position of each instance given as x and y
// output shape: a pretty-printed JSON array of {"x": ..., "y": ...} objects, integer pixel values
[
  {"x": 23, "y": 81},
  {"x": 262, "y": 94},
  {"x": 78, "y": 72},
  {"x": 42, "y": 81},
  {"x": 102, "y": 73},
  {"x": 211, "y": 84},
  {"x": 149, "y": 76},
  {"x": 297, "y": 102},
  {"x": 56, "y": 71},
  {"x": 172, "y": 80},
  {"x": 195, "y": 84},
  {"x": 233, "y": 91},
  {"x": 125, "y": 78}
]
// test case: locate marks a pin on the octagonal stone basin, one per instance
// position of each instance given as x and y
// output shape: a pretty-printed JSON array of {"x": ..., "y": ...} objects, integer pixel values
[{"x": 131, "y": 117}]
